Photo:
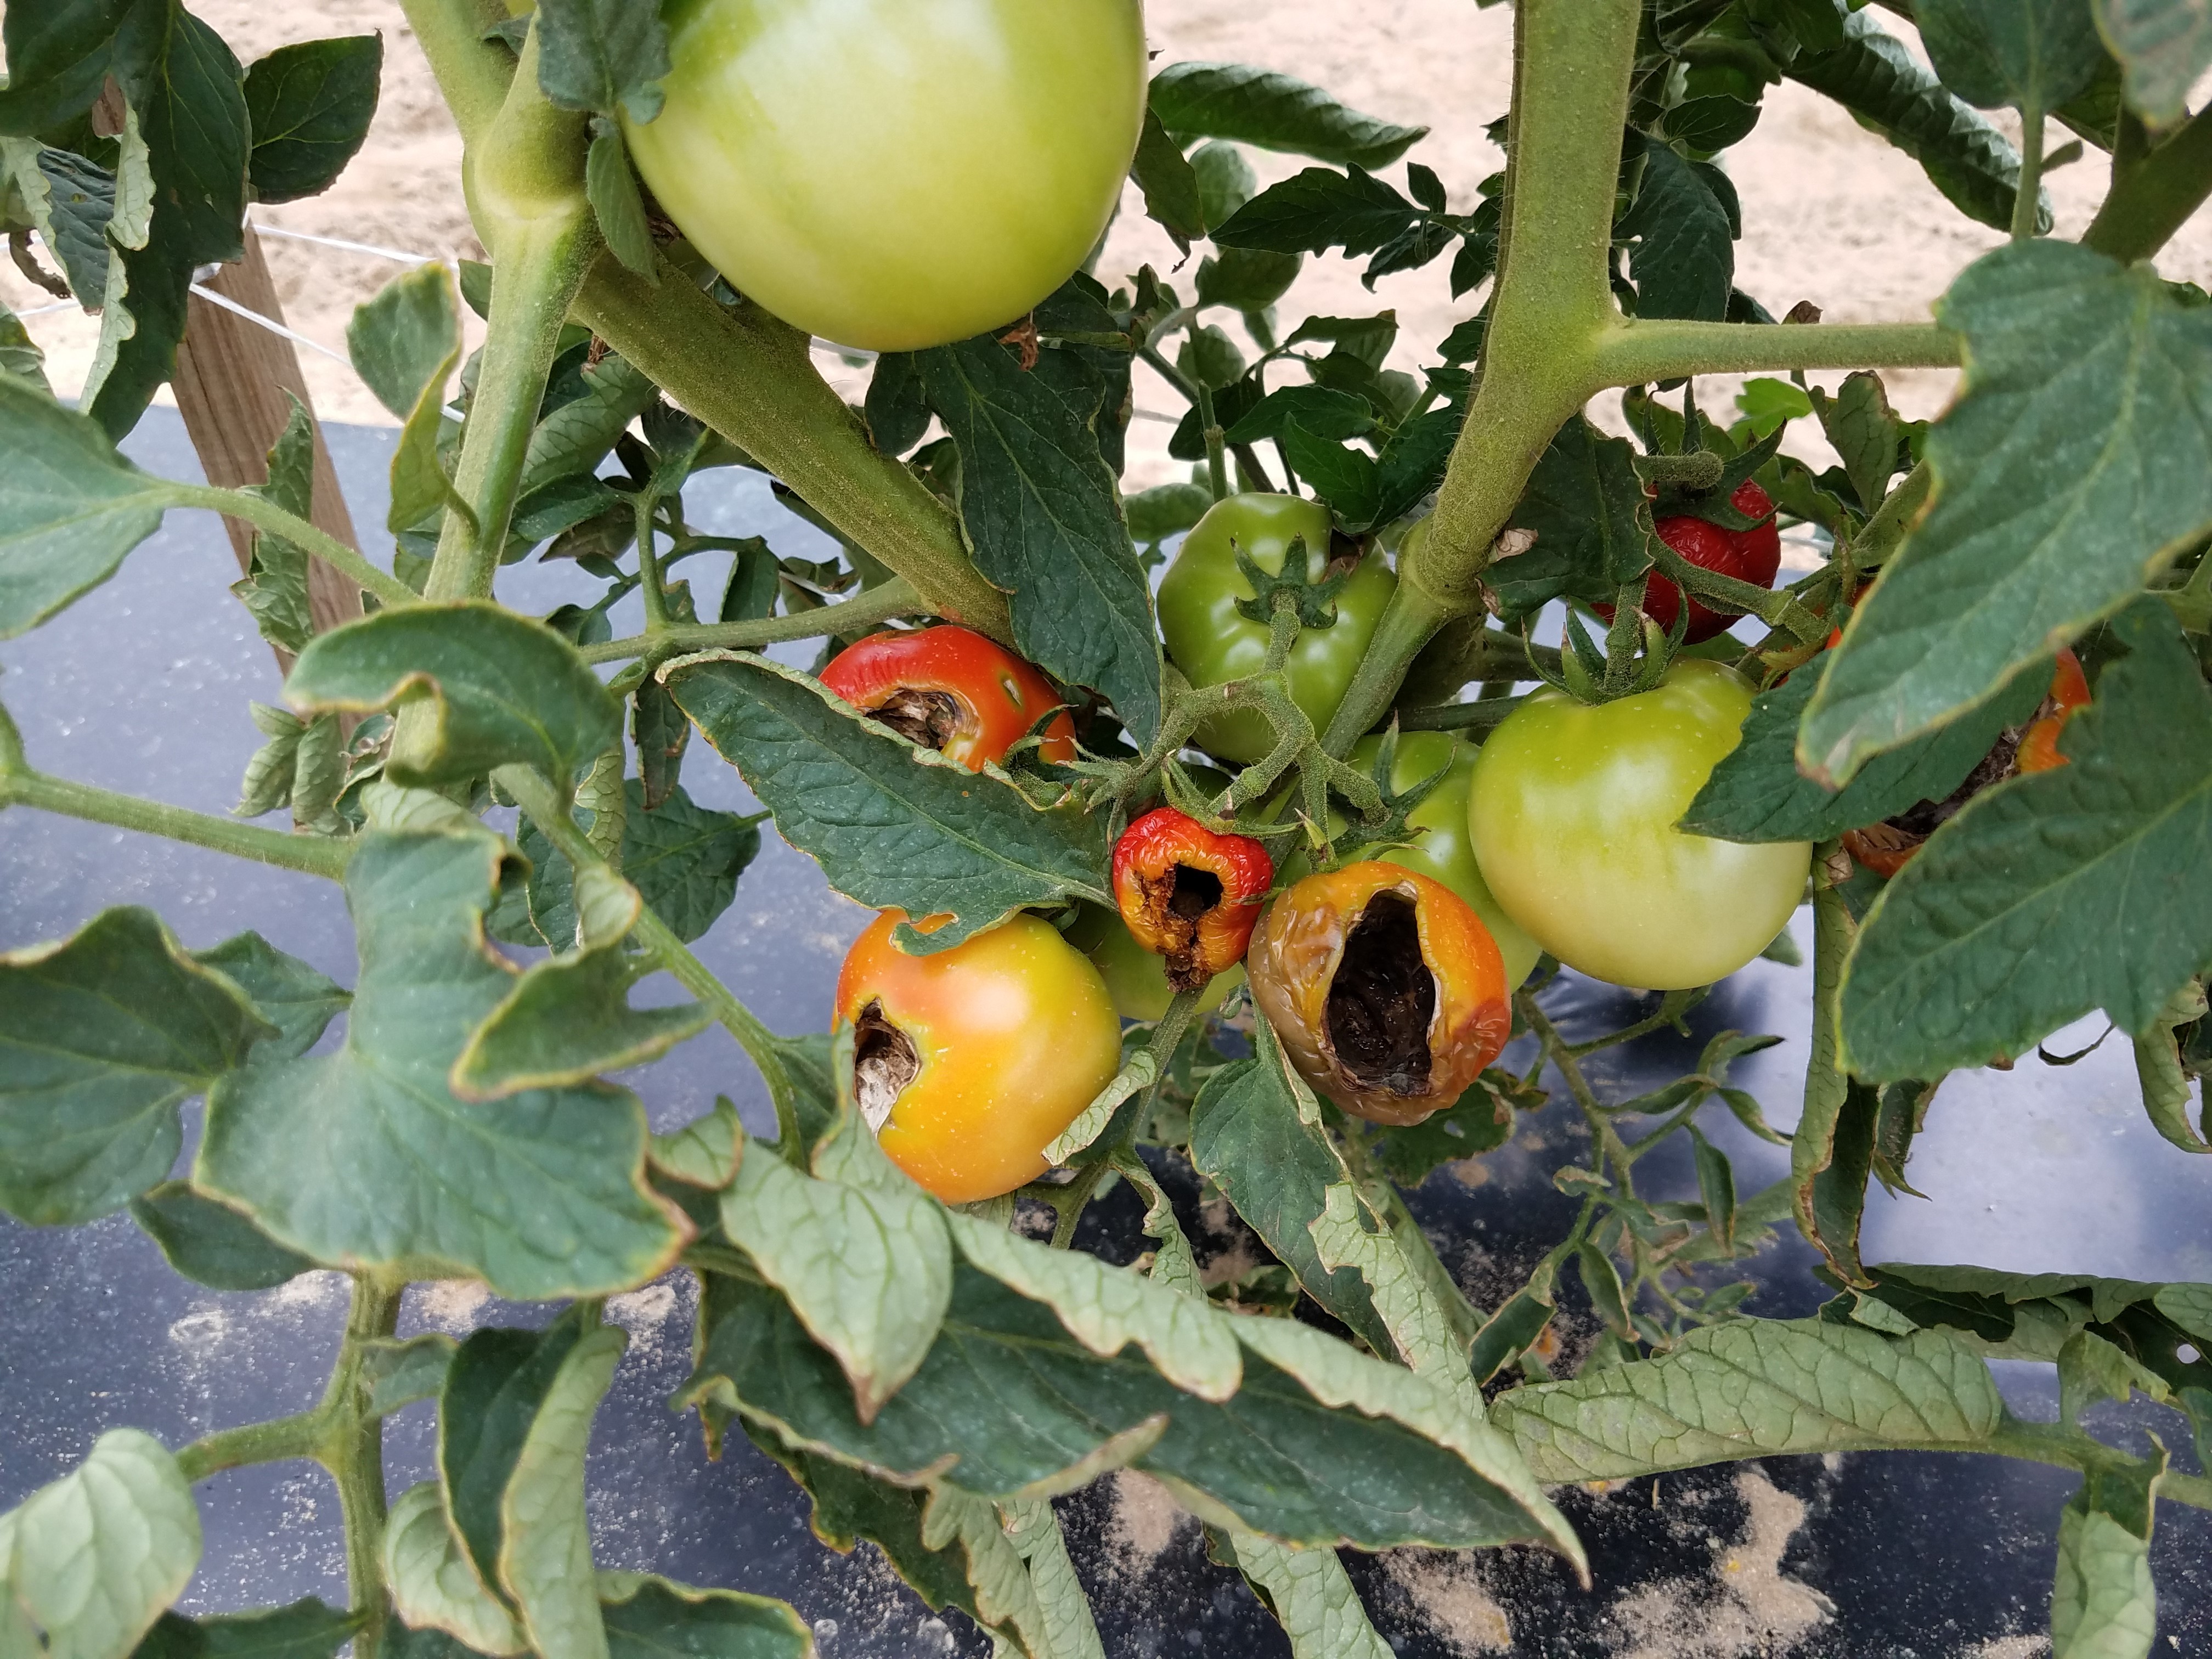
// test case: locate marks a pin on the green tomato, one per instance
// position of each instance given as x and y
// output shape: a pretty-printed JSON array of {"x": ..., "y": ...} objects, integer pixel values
[
  {"x": 1210, "y": 641},
  {"x": 893, "y": 175},
  {"x": 1444, "y": 853},
  {"x": 1135, "y": 978},
  {"x": 1572, "y": 818}
]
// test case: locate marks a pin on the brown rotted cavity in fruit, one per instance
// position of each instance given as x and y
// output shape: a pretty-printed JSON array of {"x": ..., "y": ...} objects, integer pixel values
[
  {"x": 1190, "y": 895},
  {"x": 927, "y": 717},
  {"x": 1382, "y": 999},
  {"x": 884, "y": 1061}
]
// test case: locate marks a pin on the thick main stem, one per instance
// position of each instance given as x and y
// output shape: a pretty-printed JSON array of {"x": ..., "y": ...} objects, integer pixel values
[
  {"x": 2152, "y": 199},
  {"x": 355, "y": 1456}
]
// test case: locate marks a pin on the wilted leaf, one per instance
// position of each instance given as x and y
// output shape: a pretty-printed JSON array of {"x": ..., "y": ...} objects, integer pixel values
[
  {"x": 102, "y": 1037},
  {"x": 503, "y": 691},
  {"x": 364, "y": 1156}
]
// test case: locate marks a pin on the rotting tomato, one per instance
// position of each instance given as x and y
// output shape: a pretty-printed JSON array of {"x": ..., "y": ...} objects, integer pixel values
[
  {"x": 1384, "y": 988},
  {"x": 1572, "y": 817},
  {"x": 1135, "y": 978},
  {"x": 1210, "y": 641},
  {"x": 966, "y": 1063},
  {"x": 1443, "y": 851},
  {"x": 952, "y": 690},
  {"x": 1886, "y": 848},
  {"x": 1751, "y": 556},
  {"x": 2070, "y": 691},
  {"x": 889, "y": 175},
  {"x": 1189, "y": 894}
]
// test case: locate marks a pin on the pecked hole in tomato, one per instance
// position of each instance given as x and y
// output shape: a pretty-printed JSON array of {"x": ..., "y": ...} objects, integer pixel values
[
  {"x": 1382, "y": 999},
  {"x": 885, "y": 1060},
  {"x": 927, "y": 717},
  {"x": 1195, "y": 892}
]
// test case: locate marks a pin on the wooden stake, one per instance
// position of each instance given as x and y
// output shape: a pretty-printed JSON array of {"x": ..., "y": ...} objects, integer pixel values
[{"x": 231, "y": 379}]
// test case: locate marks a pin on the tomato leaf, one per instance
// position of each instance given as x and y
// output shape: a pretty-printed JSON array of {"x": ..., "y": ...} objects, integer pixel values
[
  {"x": 365, "y": 1155},
  {"x": 602, "y": 55},
  {"x": 616, "y": 201},
  {"x": 1959, "y": 957},
  {"x": 274, "y": 587},
  {"x": 59, "y": 55},
  {"x": 433, "y": 1583},
  {"x": 1754, "y": 1388},
  {"x": 308, "y": 106},
  {"x": 1043, "y": 522},
  {"x": 683, "y": 859},
  {"x": 2163, "y": 45},
  {"x": 70, "y": 200},
  {"x": 399, "y": 339},
  {"x": 567, "y": 1020},
  {"x": 93, "y": 1559},
  {"x": 1274, "y": 111},
  {"x": 1757, "y": 793},
  {"x": 102, "y": 1037},
  {"x": 504, "y": 690},
  {"x": 1247, "y": 1137},
  {"x": 2102, "y": 1599},
  {"x": 1169, "y": 184},
  {"x": 2061, "y": 483},
  {"x": 1021, "y": 1405},
  {"x": 892, "y": 826},
  {"x": 1872, "y": 74},
  {"x": 1684, "y": 260},
  {"x": 1311, "y": 1596},
  {"x": 71, "y": 508},
  {"x": 649, "y": 1617},
  {"x": 1592, "y": 522},
  {"x": 2012, "y": 53},
  {"x": 306, "y": 1629},
  {"x": 212, "y": 1245},
  {"x": 1318, "y": 209}
]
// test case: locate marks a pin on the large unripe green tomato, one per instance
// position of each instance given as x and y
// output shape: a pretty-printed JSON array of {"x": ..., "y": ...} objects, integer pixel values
[
  {"x": 1210, "y": 641},
  {"x": 1445, "y": 852},
  {"x": 1572, "y": 817},
  {"x": 894, "y": 174}
]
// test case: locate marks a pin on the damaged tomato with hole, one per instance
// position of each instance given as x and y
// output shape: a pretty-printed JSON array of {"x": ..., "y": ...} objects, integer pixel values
[
  {"x": 1384, "y": 988},
  {"x": 968, "y": 1063},
  {"x": 1189, "y": 894},
  {"x": 1886, "y": 848},
  {"x": 951, "y": 689}
]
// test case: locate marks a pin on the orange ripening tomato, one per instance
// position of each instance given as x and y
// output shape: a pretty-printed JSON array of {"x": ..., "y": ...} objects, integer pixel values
[
  {"x": 2070, "y": 691},
  {"x": 967, "y": 1064},
  {"x": 952, "y": 690},
  {"x": 1385, "y": 988},
  {"x": 1189, "y": 894}
]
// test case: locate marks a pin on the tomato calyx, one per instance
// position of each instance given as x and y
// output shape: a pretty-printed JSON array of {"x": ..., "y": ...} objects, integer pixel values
[
  {"x": 1313, "y": 597},
  {"x": 1188, "y": 894},
  {"x": 885, "y": 1060}
]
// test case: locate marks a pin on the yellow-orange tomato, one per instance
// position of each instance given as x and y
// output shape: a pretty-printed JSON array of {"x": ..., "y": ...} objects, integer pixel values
[
  {"x": 2070, "y": 691},
  {"x": 968, "y": 1063},
  {"x": 1385, "y": 988}
]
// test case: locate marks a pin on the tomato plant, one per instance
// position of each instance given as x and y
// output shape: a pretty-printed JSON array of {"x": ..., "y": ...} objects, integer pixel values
[{"x": 1969, "y": 731}]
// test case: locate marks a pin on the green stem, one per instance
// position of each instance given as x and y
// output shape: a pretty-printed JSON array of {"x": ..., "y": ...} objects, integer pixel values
[
  {"x": 1885, "y": 532},
  {"x": 648, "y": 567},
  {"x": 354, "y": 1455},
  {"x": 1827, "y": 1082},
  {"x": 2027, "y": 200},
  {"x": 894, "y": 597},
  {"x": 543, "y": 803},
  {"x": 1458, "y": 716},
  {"x": 265, "y": 514},
  {"x": 1636, "y": 353},
  {"x": 1217, "y": 454},
  {"x": 314, "y": 855},
  {"x": 12, "y": 760},
  {"x": 299, "y": 1435},
  {"x": 2152, "y": 199},
  {"x": 526, "y": 196},
  {"x": 2069, "y": 1449},
  {"x": 1411, "y": 621}
]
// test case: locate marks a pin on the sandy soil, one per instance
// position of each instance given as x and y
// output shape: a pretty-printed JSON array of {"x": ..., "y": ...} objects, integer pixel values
[{"x": 1833, "y": 213}]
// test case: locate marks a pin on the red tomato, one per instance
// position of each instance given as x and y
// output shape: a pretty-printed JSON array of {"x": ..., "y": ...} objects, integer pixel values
[
  {"x": 1749, "y": 556},
  {"x": 2070, "y": 691},
  {"x": 951, "y": 690}
]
